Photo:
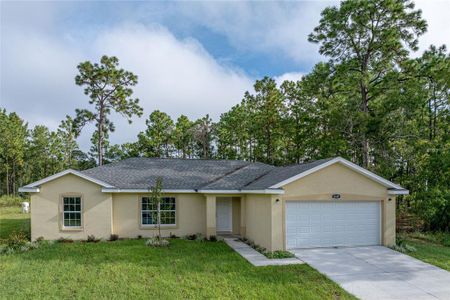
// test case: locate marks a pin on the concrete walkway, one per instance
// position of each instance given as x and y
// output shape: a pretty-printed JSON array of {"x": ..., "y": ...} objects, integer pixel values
[
  {"x": 257, "y": 259},
  {"x": 378, "y": 272}
]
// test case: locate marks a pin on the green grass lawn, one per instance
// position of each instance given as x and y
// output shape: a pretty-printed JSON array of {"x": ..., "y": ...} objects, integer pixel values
[
  {"x": 431, "y": 248},
  {"x": 12, "y": 219},
  {"x": 128, "y": 269}
]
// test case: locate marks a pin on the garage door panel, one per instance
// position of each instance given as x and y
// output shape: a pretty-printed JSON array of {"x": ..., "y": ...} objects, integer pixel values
[{"x": 312, "y": 224}]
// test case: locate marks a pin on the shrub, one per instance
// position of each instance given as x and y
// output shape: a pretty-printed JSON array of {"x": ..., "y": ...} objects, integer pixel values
[
  {"x": 16, "y": 239},
  {"x": 260, "y": 249},
  {"x": 433, "y": 207},
  {"x": 15, "y": 243},
  {"x": 279, "y": 254},
  {"x": 64, "y": 240},
  {"x": 199, "y": 237},
  {"x": 243, "y": 239},
  {"x": 402, "y": 246},
  {"x": 11, "y": 200},
  {"x": 91, "y": 239},
  {"x": 139, "y": 237},
  {"x": 114, "y": 237},
  {"x": 191, "y": 237},
  {"x": 157, "y": 242},
  {"x": 213, "y": 238},
  {"x": 268, "y": 254},
  {"x": 173, "y": 236},
  {"x": 6, "y": 250}
]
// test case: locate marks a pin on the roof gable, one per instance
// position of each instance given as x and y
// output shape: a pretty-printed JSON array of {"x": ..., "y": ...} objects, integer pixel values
[
  {"x": 34, "y": 187},
  {"x": 350, "y": 165}
]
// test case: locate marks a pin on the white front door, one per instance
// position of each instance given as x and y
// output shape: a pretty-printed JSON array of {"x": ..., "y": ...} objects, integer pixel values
[
  {"x": 223, "y": 214},
  {"x": 311, "y": 224}
]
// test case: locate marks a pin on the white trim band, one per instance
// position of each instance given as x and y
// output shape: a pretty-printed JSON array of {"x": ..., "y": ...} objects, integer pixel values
[
  {"x": 29, "y": 190},
  {"x": 398, "y": 192},
  {"x": 266, "y": 191},
  {"x": 174, "y": 191},
  {"x": 167, "y": 191}
]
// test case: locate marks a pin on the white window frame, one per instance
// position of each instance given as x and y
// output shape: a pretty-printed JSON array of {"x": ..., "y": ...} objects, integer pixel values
[
  {"x": 64, "y": 226},
  {"x": 160, "y": 211}
]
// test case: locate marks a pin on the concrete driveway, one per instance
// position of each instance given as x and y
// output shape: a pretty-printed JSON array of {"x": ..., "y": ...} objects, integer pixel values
[{"x": 378, "y": 272}]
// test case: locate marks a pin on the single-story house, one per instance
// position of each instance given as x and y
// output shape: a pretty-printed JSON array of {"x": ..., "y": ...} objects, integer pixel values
[{"x": 325, "y": 203}]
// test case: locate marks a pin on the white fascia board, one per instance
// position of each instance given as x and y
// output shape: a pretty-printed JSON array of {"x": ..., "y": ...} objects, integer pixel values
[
  {"x": 29, "y": 190},
  {"x": 167, "y": 191},
  {"x": 398, "y": 192},
  {"x": 173, "y": 191},
  {"x": 60, "y": 174},
  {"x": 345, "y": 162},
  {"x": 266, "y": 191},
  {"x": 218, "y": 191}
]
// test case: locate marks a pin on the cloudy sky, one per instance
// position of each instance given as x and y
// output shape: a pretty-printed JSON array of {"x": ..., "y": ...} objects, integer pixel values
[{"x": 191, "y": 58}]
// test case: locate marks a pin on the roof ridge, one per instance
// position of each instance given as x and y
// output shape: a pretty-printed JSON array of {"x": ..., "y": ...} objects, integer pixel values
[
  {"x": 260, "y": 176},
  {"x": 287, "y": 166},
  {"x": 225, "y": 175},
  {"x": 307, "y": 163},
  {"x": 166, "y": 158},
  {"x": 180, "y": 158}
]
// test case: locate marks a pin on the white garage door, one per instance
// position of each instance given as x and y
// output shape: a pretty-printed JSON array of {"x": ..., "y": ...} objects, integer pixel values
[{"x": 311, "y": 224}]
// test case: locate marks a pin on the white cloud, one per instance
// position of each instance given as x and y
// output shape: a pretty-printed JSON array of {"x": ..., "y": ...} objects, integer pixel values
[
  {"x": 292, "y": 76},
  {"x": 281, "y": 28},
  {"x": 436, "y": 12},
  {"x": 278, "y": 28},
  {"x": 37, "y": 78},
  {"x": 175, "y": 76}
]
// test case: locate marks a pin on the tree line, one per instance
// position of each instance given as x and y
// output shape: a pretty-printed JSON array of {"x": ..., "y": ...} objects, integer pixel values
[{"x": 369, "y": 102}]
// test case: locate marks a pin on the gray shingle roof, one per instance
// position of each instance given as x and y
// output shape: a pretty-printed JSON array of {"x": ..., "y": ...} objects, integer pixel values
[
  {"x": 279, "y": 174},
  {"x": 194, "y": 174},
  {"x": 239, "y": 178},
  {"x": 141, "y": 173}
]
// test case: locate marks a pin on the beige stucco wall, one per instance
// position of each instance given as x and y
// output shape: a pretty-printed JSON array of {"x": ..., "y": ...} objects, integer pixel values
[
  {"x": 388, "y": 221},
  {"x": 258, "y": 219},
  {"x": 264, "y": 220},
  {"x": 46, "y": 217},
  {"x": 190, "y": 215},
  {"x": 339, "y": 179},
  {"x": 236, "y": 214},
  {"x": 336, "y": 178}
]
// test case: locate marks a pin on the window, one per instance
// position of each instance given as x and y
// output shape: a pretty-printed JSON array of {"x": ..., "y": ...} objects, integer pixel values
[
  {"x": 72, "y": 211},
  {"x": 149, "y": 211}
]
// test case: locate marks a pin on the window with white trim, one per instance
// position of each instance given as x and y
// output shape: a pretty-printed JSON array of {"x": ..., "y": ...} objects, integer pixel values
[
  {"x": 149, "y": 211},
  {"x": 72, "y": 211}
]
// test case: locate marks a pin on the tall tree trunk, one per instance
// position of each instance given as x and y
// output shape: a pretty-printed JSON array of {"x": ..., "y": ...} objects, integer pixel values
[
  {"x": 430, "y": 121},
  {"x": 13, "y": 177},
  {"x": 100, "y": 135},
  {"x": 364, "y": 139},
  {"x": 7, "y": 178}
]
